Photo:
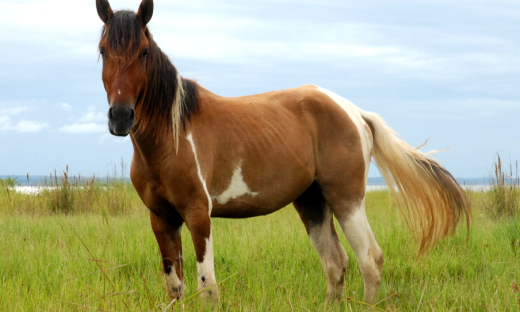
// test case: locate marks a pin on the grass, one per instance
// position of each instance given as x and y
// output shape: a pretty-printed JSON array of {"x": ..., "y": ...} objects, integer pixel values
[
  {"x": 96, "y": 258},
  {"x": 73, "y": 195},
  {"x": 505, "y": 190}
]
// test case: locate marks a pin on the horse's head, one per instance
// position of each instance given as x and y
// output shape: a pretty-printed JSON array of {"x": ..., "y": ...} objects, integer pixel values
[{"x": 124, "y": 49}]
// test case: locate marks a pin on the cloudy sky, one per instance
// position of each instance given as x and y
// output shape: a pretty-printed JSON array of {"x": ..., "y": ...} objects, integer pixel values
[{"x": 445, "y": 70}]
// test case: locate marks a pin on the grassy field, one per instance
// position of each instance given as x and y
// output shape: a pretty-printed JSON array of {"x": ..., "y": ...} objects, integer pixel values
[{"x": 92, "y": 249}]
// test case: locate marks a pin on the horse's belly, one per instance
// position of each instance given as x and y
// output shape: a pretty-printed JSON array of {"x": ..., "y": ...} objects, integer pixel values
[
  {"x": 243, "y": 202},
  {"x": 246, "y": 208}
]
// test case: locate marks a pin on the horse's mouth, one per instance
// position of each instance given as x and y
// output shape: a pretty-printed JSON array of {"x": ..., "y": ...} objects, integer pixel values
[{"x": 120, "y": 128}]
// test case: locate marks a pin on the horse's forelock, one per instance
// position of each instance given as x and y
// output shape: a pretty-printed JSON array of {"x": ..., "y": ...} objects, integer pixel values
[{"x": 123, "y": 35}]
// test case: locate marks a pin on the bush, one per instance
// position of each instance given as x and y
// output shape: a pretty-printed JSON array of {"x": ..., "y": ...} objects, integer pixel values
[{"x": 9, "y": 182}]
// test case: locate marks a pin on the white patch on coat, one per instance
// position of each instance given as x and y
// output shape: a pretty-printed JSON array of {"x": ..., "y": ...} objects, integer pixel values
[
  {"x": 358, "y": 231},
  {"x": 368, "y": 253},
  {"x": 237, "y": 187},
  {"x": 354, "y": 113},
  {"x": 206, "y": 268},
  {"x": 189, "y": 137}
]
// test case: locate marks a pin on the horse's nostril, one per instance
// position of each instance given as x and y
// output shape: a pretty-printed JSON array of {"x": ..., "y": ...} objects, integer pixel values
[{"x": 121, "y": 113}]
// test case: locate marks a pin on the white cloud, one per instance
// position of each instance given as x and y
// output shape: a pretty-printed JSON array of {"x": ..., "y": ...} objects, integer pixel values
[
  {"x": 89, "y": 122},
  {"x": 30, "y": 126},
  {"x": 89, "y": 127},
  {"x": 92, "y": 116},
  {"x": 5, "y": 123},
  {"x": 13, "y": 110},
  {"x": 23, "y": 126},
  {"x": 66, "y": 107},
  {"x": 41, "y": 23}
]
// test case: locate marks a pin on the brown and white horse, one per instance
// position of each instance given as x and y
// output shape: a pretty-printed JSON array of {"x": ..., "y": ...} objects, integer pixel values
[{"x": 198, "y": 155}]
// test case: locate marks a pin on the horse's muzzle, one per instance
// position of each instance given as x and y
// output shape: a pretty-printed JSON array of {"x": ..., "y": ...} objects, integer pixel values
[{"x": 121, "y": 119}]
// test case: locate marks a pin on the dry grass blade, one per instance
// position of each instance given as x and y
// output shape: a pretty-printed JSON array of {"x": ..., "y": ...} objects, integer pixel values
[
  {"x": 148, "y": 293},
  {"x": 112, "y": 268},
  {"x": 121, "y": 293},
  {"x": 99, "y": 266},
  {"x": 420, "y": 300},
  {"x": 367, "y": 304},
  {"x": 169, "y": 305},
  {"x": 102, "y": 269}
]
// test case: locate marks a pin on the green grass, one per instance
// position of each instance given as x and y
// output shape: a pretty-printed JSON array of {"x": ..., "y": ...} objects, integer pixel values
[
  {"x": 505, "y": 191},
  {"x": 73, "y": 196},
  {"x": 94, "y": 258}
]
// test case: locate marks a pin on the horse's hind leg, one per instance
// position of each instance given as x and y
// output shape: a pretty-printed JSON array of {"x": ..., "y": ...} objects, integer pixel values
[
  {"x": 353, "y": 220},
  {"x": 319, "y": 224},
  {"x": 342, "y": 176}
]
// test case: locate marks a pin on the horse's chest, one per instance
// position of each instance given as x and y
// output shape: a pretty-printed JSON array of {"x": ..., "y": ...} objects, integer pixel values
[{"x": 153, "y": 196}]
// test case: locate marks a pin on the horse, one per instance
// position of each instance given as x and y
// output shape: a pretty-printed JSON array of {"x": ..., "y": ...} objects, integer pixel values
[{"x": 198, "y": 155}]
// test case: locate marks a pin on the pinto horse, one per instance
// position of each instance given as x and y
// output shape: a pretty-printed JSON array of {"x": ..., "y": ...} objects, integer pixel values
[{"x": 198, "y": 155}]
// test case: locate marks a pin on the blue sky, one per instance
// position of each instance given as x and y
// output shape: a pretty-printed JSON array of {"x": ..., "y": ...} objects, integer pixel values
[{"x": 445, "y": 70}]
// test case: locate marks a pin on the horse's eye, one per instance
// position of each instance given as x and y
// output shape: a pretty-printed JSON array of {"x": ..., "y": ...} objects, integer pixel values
[
  {"x": 102, "y": 52},
  {"x": 145, "y": 52}
]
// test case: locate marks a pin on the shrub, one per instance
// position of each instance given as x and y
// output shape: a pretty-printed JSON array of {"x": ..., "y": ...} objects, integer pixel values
[{"x": 9, "y": 182}]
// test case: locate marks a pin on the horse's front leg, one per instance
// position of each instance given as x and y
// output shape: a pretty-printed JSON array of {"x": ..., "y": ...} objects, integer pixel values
[
  {"x": 199, "y": 223},
  {"x": 168, "y": 235}
]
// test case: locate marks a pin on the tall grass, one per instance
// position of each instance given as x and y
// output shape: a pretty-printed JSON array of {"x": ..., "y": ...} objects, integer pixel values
[
  {"x": 505, "y": 191},
  {"x": 63, "y": 194}
]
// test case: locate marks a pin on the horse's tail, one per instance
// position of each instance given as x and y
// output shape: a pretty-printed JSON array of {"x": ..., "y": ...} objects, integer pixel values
[{"x": 427, "y": 194}]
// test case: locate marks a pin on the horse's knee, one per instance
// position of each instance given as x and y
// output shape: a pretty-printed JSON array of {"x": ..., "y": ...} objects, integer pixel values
[
  {"x": 379, "y": 260},
  {"x": 376, "y": 254}
]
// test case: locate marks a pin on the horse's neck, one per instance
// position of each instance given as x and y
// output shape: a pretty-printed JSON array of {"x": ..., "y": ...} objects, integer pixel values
[{"x": 151, "y": 150}]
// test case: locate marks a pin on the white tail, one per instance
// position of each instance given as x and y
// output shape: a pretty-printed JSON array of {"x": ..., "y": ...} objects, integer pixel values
[{"x": 427, "y": 194}]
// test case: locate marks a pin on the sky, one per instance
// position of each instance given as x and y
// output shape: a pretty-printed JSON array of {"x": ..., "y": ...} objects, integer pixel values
[{"x": 444, "y": 70}]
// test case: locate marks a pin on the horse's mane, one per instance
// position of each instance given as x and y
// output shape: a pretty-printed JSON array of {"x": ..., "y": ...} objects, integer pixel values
[{"x": 168, "y": 99}]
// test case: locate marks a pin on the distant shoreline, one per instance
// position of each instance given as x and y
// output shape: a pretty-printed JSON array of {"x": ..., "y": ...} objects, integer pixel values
[
  {"x": 370, "y": 188},
  {"x": 39, "y": 180}
]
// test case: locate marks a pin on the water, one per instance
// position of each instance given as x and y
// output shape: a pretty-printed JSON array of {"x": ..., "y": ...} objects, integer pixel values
[
  {"x": 40, "y": 180},
  {"x": 371, "y": 186}
]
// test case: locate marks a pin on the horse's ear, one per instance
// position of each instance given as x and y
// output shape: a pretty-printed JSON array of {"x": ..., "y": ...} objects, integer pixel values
[
  {"x": 104, "y": 10},
  {"x": 144, "y": 14}
]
